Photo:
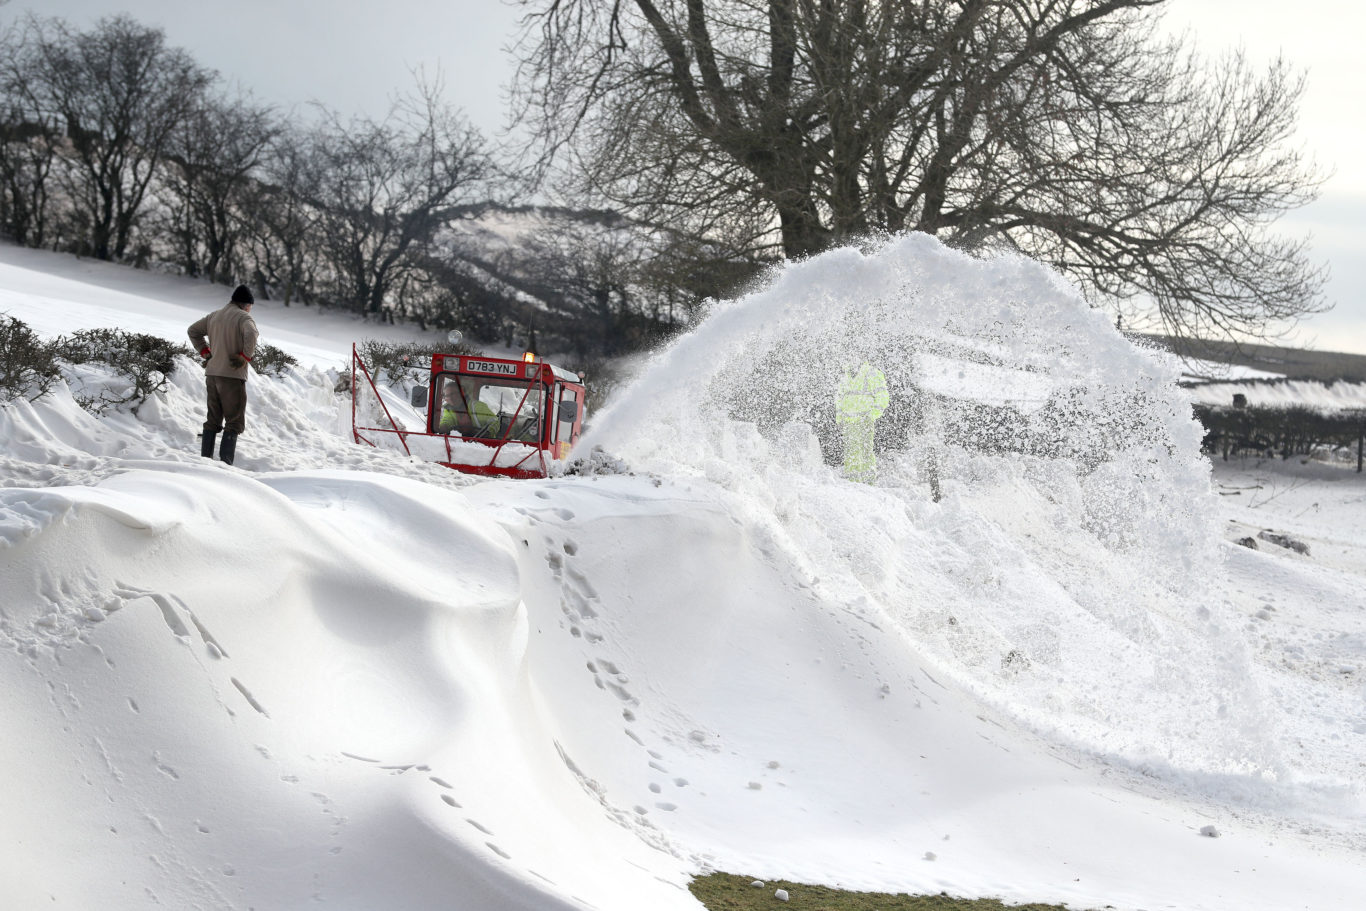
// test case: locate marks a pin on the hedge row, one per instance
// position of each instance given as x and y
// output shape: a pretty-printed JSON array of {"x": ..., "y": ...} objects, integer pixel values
[{"x": 29, "y": 364}]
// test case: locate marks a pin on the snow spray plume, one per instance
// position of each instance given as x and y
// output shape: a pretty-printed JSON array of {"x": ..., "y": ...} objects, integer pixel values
[{"x": 1040, "y": 525}]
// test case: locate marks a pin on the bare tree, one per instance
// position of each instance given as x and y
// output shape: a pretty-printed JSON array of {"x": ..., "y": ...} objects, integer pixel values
[
  {"x": 120, "y": 92},
  {"x": 1063, "y": 128},
  {"x": 211, "y": 157},
  {"x": 586, "y": 279},
  {"x": 280, "y": 217},
  {"x": 383, "y": 188},
  {"x": 28, "y": 146}
]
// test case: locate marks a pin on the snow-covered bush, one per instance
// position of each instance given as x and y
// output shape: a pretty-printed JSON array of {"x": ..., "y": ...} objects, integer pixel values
[
  {"x": 271, "y": 361},
  {"x": 403, "y": 362},
  {"x": 144, "y": 363},
  {"x": 28, "y": 365}
]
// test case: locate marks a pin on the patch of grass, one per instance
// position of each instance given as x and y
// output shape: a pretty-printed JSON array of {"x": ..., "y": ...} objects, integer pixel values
[{"x": 729, "y": 892}]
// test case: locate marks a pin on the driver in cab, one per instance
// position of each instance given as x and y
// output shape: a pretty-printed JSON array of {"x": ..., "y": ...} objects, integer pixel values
[{"x": 478, "y": 420}]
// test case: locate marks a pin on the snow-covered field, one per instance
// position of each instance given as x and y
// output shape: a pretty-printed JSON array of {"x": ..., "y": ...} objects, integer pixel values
[{"x": 329, "y": 676}]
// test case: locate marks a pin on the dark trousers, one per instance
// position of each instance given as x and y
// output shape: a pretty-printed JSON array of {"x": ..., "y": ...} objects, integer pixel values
[{"x": 227, "y": 404}]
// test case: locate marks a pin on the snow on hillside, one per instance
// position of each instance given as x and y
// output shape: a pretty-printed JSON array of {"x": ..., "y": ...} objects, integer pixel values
[
  {"x": 1325, "y": 398},
  {"x": 56, "y": 293},
  {"x": 333, "y": 676}
]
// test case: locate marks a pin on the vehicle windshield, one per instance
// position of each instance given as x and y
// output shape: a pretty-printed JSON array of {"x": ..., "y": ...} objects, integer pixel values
[{"x": 489, "y": 408}]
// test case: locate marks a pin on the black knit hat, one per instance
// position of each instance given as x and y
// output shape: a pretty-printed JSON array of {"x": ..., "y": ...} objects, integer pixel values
[{"x": 242, "y": 295}]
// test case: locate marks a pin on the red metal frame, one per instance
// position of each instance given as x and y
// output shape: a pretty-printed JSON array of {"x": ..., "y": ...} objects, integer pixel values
[
  {"x": 393, "y": 425},
  {"x": 534, "y": 372}
]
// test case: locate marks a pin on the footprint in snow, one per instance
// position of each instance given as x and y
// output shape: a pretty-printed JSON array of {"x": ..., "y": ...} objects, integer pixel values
[
  {"x": 164, "y": 769},
  {"x": 251, "y": 700},
  {"x": 576, "y": 604},
  {"x": 619, "y": 691}
]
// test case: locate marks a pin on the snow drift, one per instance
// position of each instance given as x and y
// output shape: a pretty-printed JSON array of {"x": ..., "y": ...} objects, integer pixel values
[{"x": 330, "y": 675}]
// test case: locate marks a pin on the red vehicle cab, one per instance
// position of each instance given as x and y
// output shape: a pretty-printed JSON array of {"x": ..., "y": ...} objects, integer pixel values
[{"x": 484, "y": 415}]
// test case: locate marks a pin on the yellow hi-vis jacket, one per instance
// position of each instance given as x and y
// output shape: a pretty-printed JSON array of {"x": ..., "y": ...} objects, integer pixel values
[
  {"x": 485, "y": 421},
  {"x": 862, "y": 395}
]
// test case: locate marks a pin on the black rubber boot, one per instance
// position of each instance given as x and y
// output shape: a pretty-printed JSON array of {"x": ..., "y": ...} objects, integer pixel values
[
  {"x": 206, "y": 447},
  {"x": 229, "y": 449}
]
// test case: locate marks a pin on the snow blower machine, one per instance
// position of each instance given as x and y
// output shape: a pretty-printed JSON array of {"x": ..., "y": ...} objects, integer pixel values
[{"x": 481, "y": 415}]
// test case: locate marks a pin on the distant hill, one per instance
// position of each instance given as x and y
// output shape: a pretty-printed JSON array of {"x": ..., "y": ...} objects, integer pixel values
[{"x": 1292, "y": 363}]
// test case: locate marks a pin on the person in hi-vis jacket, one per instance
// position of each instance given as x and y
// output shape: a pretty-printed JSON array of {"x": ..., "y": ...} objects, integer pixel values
[{"x": 861, "y": 399}]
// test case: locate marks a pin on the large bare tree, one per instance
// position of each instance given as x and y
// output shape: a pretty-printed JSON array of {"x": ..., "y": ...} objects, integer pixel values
[{"x": 1068, "y": 129}]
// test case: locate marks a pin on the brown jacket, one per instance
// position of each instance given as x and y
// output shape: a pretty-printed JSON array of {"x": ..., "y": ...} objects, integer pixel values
[{"x": 230, "y": 332}]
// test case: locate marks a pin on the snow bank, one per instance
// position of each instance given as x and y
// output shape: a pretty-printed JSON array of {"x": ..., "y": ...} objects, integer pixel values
[{"x": 235, "y": 689}]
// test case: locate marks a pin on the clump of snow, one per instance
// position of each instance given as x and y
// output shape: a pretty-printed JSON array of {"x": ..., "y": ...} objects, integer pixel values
[
  {"x": 598, "y": 461},
  {"x": 1283, "y": 540}
]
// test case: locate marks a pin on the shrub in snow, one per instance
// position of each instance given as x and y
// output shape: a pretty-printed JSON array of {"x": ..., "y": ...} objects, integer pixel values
[
  {"x": 404, "y": 362},
  {"x": 28, "y": 365},
  {"x": 271, "y": 361},
  {"x": 144, "y": 362}
]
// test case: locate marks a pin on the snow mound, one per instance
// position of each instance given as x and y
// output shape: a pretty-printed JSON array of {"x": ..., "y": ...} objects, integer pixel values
[{"x": 232, "y": 683}]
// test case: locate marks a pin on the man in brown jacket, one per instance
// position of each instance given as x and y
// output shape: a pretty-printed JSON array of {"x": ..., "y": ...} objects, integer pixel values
[{"x": 227, "y": 338}]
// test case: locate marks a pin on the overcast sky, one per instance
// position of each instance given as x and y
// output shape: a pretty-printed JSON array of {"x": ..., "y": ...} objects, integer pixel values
[{"x": 354, "y": 56}]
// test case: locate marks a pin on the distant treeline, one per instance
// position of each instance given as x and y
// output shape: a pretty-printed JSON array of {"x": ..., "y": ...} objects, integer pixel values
[
  {"x": 117, "y": 146},
  {"x": 1282, "y": 431}
]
